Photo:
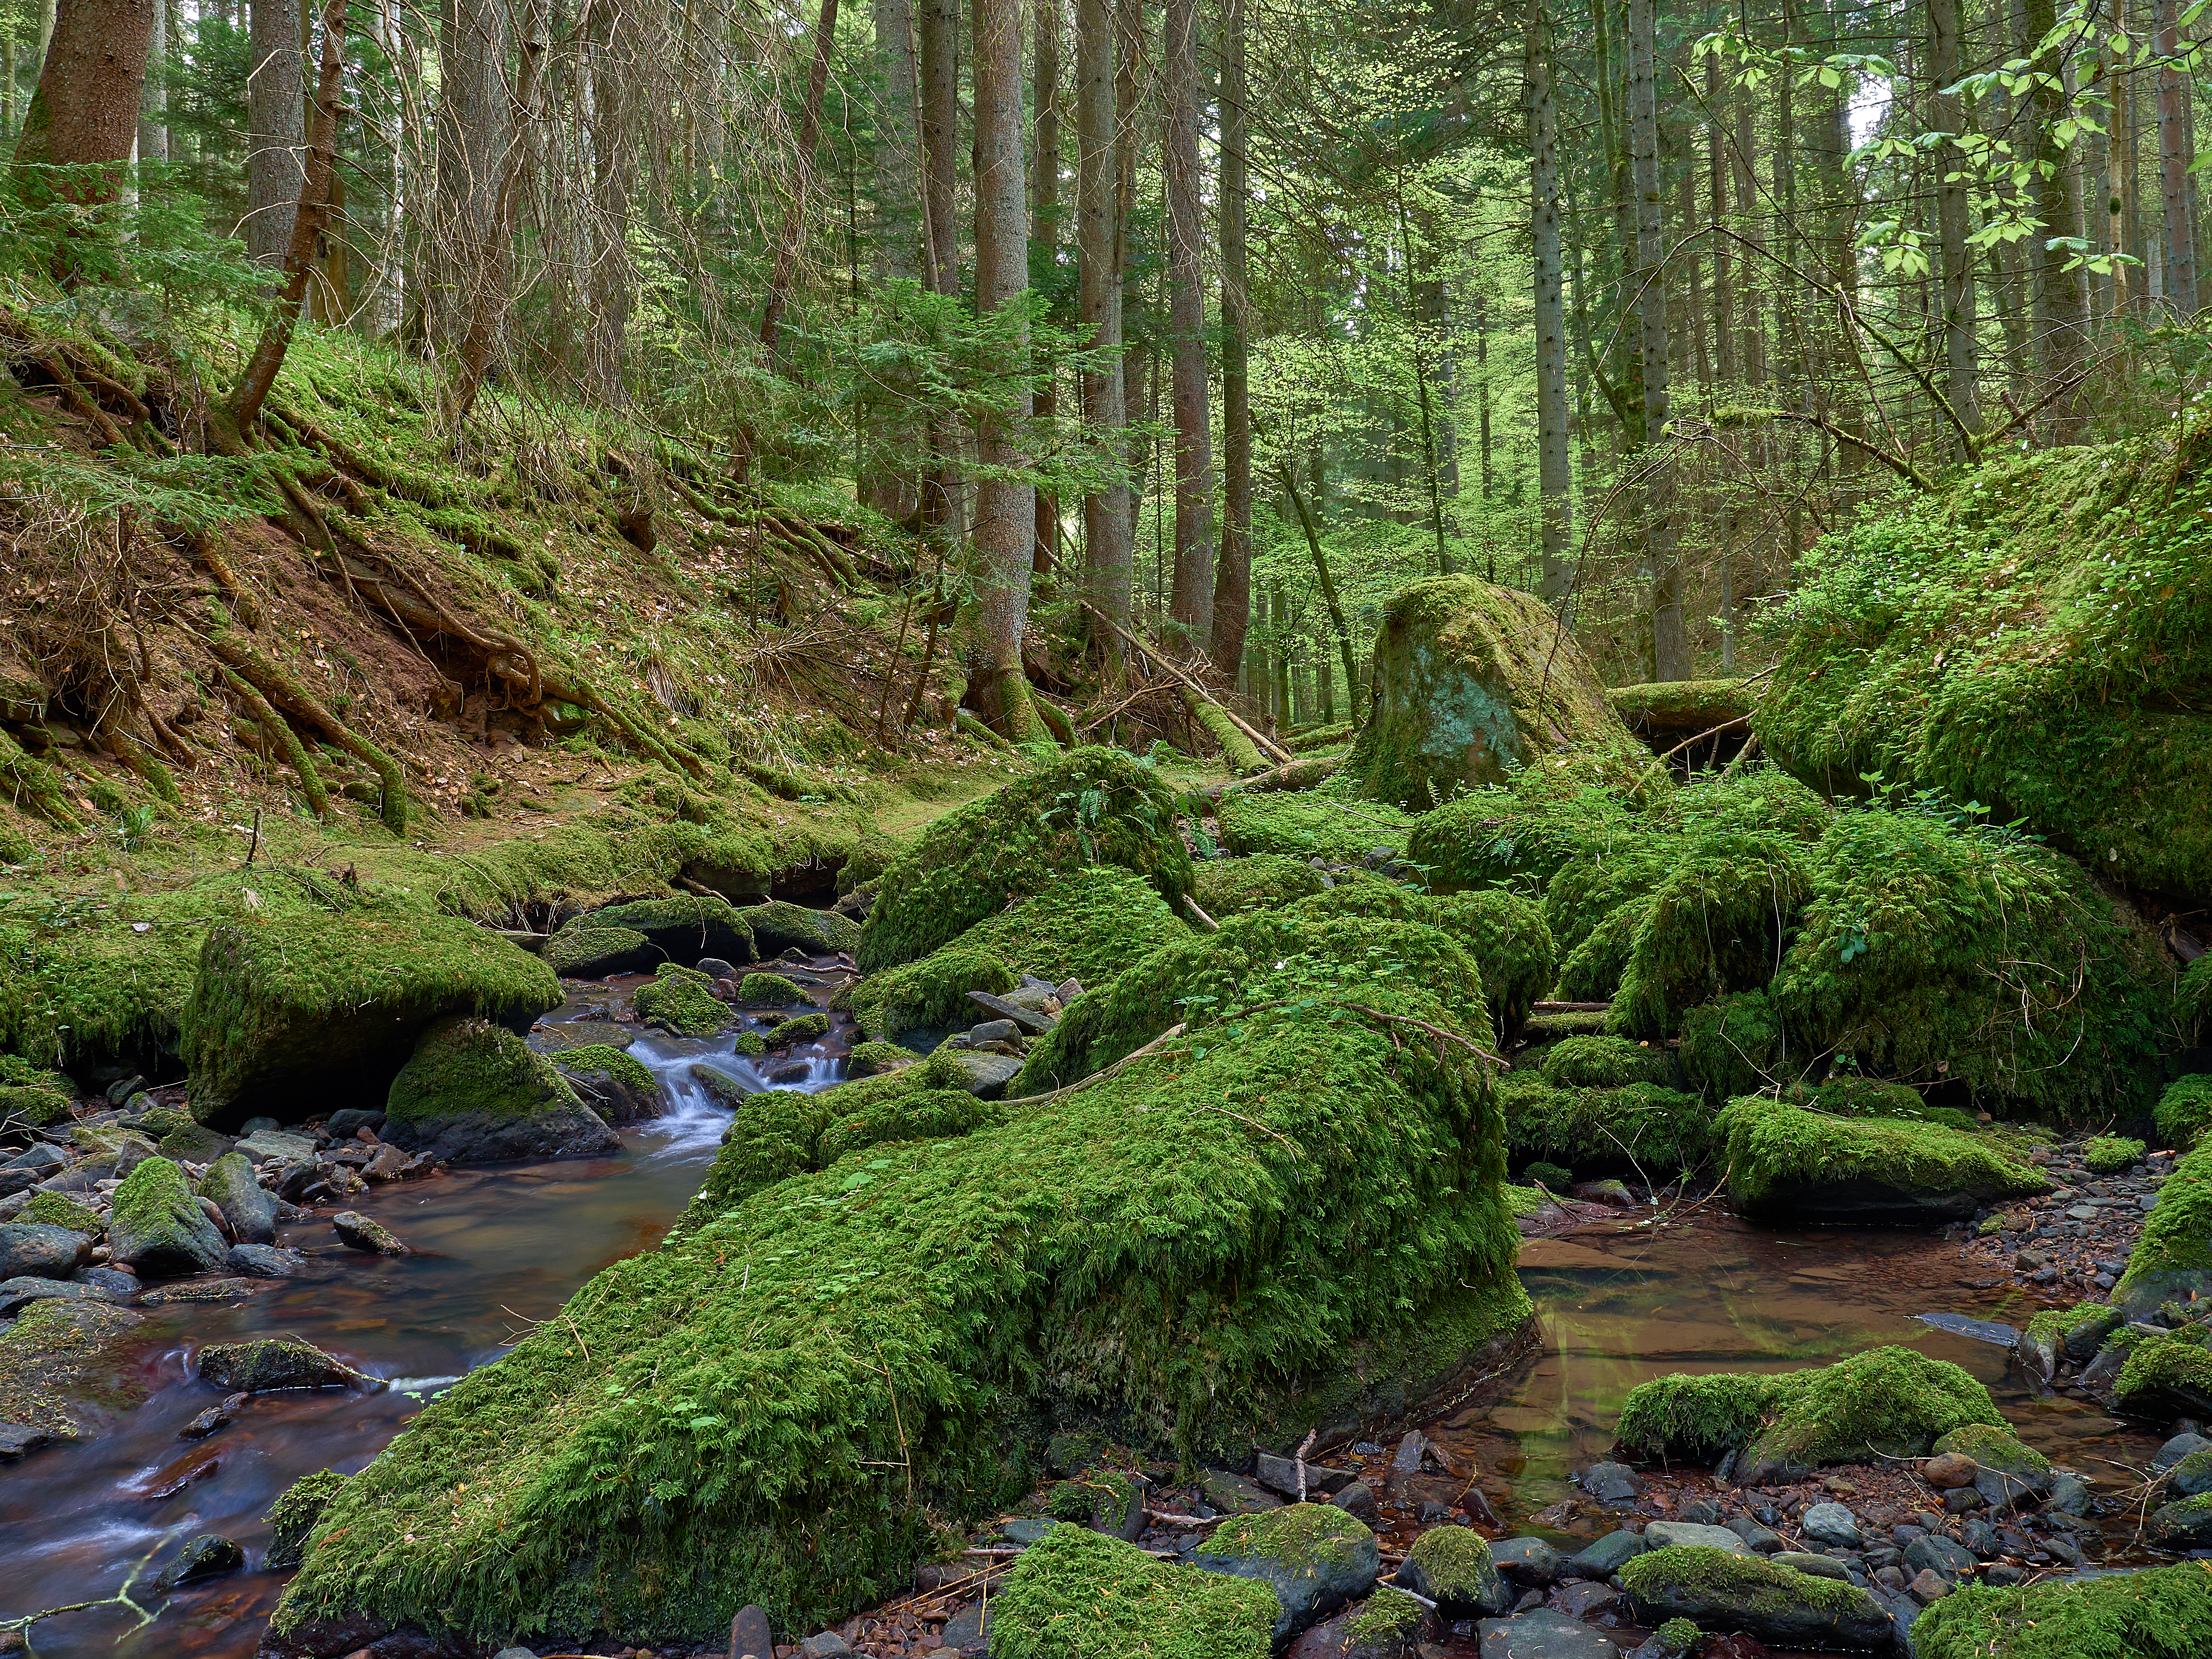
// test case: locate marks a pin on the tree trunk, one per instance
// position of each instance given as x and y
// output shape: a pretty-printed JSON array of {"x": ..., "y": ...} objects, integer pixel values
[
  {"x": 154, "y": 92},
  {"x": 1670, "y": 643},
  {"x": 1958, "y": 267},
  {"x": 1328, "y": 590},
  {"x": 275, "y": 123},
  {"x": 85, "y": 108},
  {"x": 1191, "y": 602},
  {"x": 794, "y": 240},
  {"x": 941, "y": 139},
  {"x": 2062, "y": 305},
  {"x": 1232, "y": 582},
  {"x": 898, "y": 204},
  {"x": 1554, "y": 483},
  {"x": 1005, "y": 511},
  {"x": 1717, "y": 189},
  {"x": 473, "y": 126},
  {"x": 2173, "y": 161},
  {"x": 1044, "y": 232},
  {"x": 487, "y": 319},
  {"x": 1106, "y": 528}
]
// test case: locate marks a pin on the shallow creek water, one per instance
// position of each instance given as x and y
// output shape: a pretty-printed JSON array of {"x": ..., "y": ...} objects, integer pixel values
[{"x": 499, "y": 1249}]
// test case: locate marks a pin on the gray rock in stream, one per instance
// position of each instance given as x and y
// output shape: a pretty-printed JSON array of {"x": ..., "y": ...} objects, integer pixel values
[
  {"x": 211, "y": 1555},
  {"x": 42, "y": 1250},
  {"x": 275, "y": 1364},
  {"x": 250, "y": 1211}
]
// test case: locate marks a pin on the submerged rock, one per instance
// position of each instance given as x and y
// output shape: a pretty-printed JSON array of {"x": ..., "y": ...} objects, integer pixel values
[
  {"x": 62, "y": 1371},
  {"x": 274, "y": 1364},
  {"x": 157, "y": 1228},
  {"x": 475, "y": 1093},
  {"x": 209, "y": 1555}
]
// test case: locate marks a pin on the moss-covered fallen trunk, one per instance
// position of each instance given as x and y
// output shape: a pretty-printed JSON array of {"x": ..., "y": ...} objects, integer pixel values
[{"x": 1254, "y": 1230}]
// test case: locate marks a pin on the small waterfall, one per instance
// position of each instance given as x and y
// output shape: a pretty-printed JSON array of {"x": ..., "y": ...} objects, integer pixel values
[{"x": 691, "y": 1117}]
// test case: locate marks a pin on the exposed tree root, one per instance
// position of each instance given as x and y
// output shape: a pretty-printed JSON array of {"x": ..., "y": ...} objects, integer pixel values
[
  {"x": 34, "y": 787},
  {"x": 287, "y": 741},
  {"x": 294, "y": 700}
]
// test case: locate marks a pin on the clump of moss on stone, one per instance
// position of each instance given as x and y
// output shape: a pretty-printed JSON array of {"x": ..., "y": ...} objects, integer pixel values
[
  {"x": 1471, "y": 683},
  {"x": 331, "y": 1005},
  {"x": 1603, "y": 1062},
  {"x": 295, "y": 1514},
  {"x": 1077, "y": 1593},
  {"x": 802, "y": 1028},
  {"x": 1087, "y": 924},
  {"x": 2052, "y": 1325},
  {"x": 1388, "y": 1615},
  {"x": 580, "y": 951},
  {"x": 1516, "y": 834},
  {"x": 1097, "y": 1497},
  {"x": 1734, "y": 1046},
  {"x": 2108, "y": 1155},
  {"x": 1176, "y": 1268},
  {"x": 473, "y": 1065},
  {"x": 1504, "y": 932},
  {"x": 2192, "y": 1000},
  {"x": 1091, "y": 806},
  {"x": 1524, "y": 1201},
  {"x": 1994, "y": 1446},
  {"x": 17, "y": 1072},
  {"x": 1332, "y": 822},
  {"x": 2164, "y": 1377},
  {"x": 1456, "y": 1568},
  {"x": 1715, "y": 922},
  {"x": 2174, "y": 1256},
  {"x": 1747, "y": 1586},
  {"x": 687, "y": 925},
  {"x": 2185, "y": 1110},
  {"x": 2158, "y": 1613},
  {"x": 681, "y": 1000},
  {"x": 1780, "y": 1156},
  {"x": 632, "y": 1082},
  {"x": 872, "y": 1059},
  {"x": 780, "y": 926},
  {"x": 1261, "y": 881},
  {"x": 1846, "y": 1095},
  {"x": 1555, "y": 1176},
  {"x": 60, "y": 1210},
  {"x": 1890, "y": 1399},
  {"x": 930, "y": 993},
  {"x": 39, "y": 1108},
  {"x": 1642, "y": 1125},
  {"x": 762, "y": 990}
]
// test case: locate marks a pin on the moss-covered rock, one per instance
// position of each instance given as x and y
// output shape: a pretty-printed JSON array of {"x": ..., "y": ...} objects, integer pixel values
[
  {"x": 781, "y": 926},
  {"x": 1091, "y": 806},
  {"x": 681, "y": 928},
  {"x": 295, "y": 1514},
  {"x": 1735, "y": 1046},
  {"x": 1452, "y": 1566},
  {"x": 1603, "y": 1062},
  {"x": 1782, "y": 1160},
  {"x": 873, "y": 1059},
  {"x": 2185, "y": 1110},
  {"x": 1315, "y": 1557},
  {"x": 155, "y": 1225},
  {"x": 1473, "y": 682},
  {"x": 2164, "y": 1378},
  {"x": 1640, "y": 1127},
  {"x": 1843, "y": 1095},
  {"x": 583, "y": 950},
  {"x": 1388, "y": 1625},
  {"x": 1890, "y": 1400},
  {"x": 60, "y": 1210},
  {"x": 2110, "y": 1154},
  {"x": 928, "y": 995},
  {"x": 681, "y": 1002},
  {"x": 1263, "y": 881},
  {"x": 328, "y": 1008},
  {"x": 473, "y": 1092},
  {"x": 1671, "y": 710},
  {"x": 2172, "y": 1260},
  {"x": 801, "y": 1027},
  {"x": 1523, "y": 834},
  {"x": 275, "y": 1365},
  {"x": 2159, "y": 1612},
  {"x": 764, "y": 990},
  {"x": 2036, "y": 638},
  {"x": 1087, "y": 924},
  {"x": 1208, "y": 1248},
  {"x": 610, "y": 1081},
  {"x": 1715, "y": 922},
  {"x": 1332, "y": 822},
  {"x": 1893, "y": 966},
  {"x": 64, "y": 1370},
  {"x": 1719, "y": 1590},
  {"x": 249, "y": 1208},
  {"x": 23, "y": 1108},
  {"x": 1077, "y": 1593}
]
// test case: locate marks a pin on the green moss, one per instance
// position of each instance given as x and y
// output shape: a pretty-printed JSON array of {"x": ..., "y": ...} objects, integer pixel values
[
  {"x": 2161, "y": 1614},
  {"x": 1087, "y": 924},
  {"x": 332, "y": 1004},
  {"x": 1504, "y": 932},
  {"x": 686, "y": 925},
  {"x": 1679, "y": 706},
  {"x": 802, "y": 1028},
  {"x": 2185, "y": 1110},
  {"x": 758, "y": 990},
  {"x": 2050, "y": 1325},
  {"x": 681, "y": 999},
  {"x": 1758, "y": 797},
  {"x": 472, "y": 1065},
  {"x": 60, "y": 1367},
  {"x": 1603, "y": 1062},
  {"x": 2177, "y": 1236},
  {"x": 582, "y": 951},
  {"x": 60, "y": 1210},
  {"x": 777, "y": 1405},
  {"x": 1994, "y": 1446},
  {"x": 1883, "y": 1400},
  {"x": 1525, "y": 1200},
  {"x": 1332, "y": 822},
  {"x": 1091, "y": 806},
  {"x": 1640, "y": 1126},
  {"x": 871, "y": 1059},
  {"x": 2163, "y": 1375},
  {"x": 1471, "y": 683},
  {"x": 2192, "y": 1000},
  {"x": 1456, "y": 1564},
  {"x": 928, "y": 995},
  {"x": 1297, "y": 1536},
  {"x": 42, "y": 1108},
  {"x": 1096, "y": 1497},
  {"x": 1749, "y": 1585},
  {"x": 1774, "y": 1151},
  {"x": 2111, "y": 1154},
  {"x": 1677, "y": 1635},
  {"x": 1734, "y": 1046},
  {"x": 1385, "y": 1617},
  {"x": 2035, "y": 638},
  {"x": 875, "y": 852},
  {"x": 1893, "y": 967},
  {"x": 1515, "y": 834},
  {"x": 295, "y": 1514},
  {"x": 1264, "y": 881},
  {"x": 1077, "y": 1594},
  {"x": 1555, "y": 1176},
  {"x": 606, "y": 1060},
  {"x": 1714, "y": 923},
  {"x": 781, "y": 926},
  {"x": 17, "y": 1072}
]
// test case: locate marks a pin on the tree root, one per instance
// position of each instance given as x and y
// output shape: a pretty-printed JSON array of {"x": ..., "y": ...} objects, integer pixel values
[
  {"x": 293, "y": 698},
  {"x": 143, "y": 761},
  {"x": 35, "y": 786},
  {"x": 279, "y": 733},
  {"x": 242, "y": 600}
]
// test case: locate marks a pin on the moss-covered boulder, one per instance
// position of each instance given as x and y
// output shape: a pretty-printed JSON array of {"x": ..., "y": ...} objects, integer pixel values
[
  {"x": 296, "y": 1513},
  {"x": 275, "y": 1365},
  {"x": 1715, "y": 922},
  {"x": 800, "y": 1028},
  {"x": 1076, "y": 1594},
  {"x": 1603, "y": 1062},
  {"x": 473, "y": 1092},
  {"x": 2165, "y": 1377},
  {"x": 1473, "y": 682},
  {"x": 930, "y": 994},
  {"x": 1784, "y": 1159},
  {"x": 1891, "y": 1401},
  {"x": 2038, "y": 638},
  {"x": 873, "y": 1059},
  {"x": 1291, "y": 1222},
  {"x": 24, "y": 1109},
  {"x": 1091, "y": 806},
  {"x": 681, "y": 1002},
  {"x": 2172, "y": 1260},
  {"x": 1388, "y": 1625},
  {"x": 584, "y": 950},
  {"x": 2112, "y": 1154},
  {"x": 156, "y": 1227},
  {"x": 1333, "y": 823},
  {"x": 1665, "y": 712},
  {"x": 764, "y": 990},
  {"x": 610, "y": 1081},
  {"x": 1642, "y": 1129},
  {"x": 249, "y": 1207},
  {"x": 63, "y": 1367},
  {"x": 781, "y": 926},
  {"x": 2185, "y": 1110},
  {"x": 327, "y": 1008},
  {"x": 1717, "y": 1590},
  {"x": 1263, "y": 881},
  {"x": 1735, "y": 1045},
  {"x": 683, "y": 927},
  {"x": 1315, "y": 1558},
  {"x": 1453, "y": 1567},
  {"x": 2158, "y": 1613}
]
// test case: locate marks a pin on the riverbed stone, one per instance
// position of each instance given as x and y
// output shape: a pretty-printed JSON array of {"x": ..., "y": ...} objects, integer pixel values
[
  {"x": 1820, "y": 1566},
  {"x": 358, "y": 1232},
  {"x": 1831, "y": 1524},
  {"x": 1606, "y": 1556},
  {"x": 62, "y": 1369},
  {"x": 472, "y": 1092},
  {"x": 114, "y": 1283},
  {"x": 156, "y": 1226},
  {"x": 1314, "y": 1556},
  {"x": 328, "y": 1006},
  {"x": 1453, "y": 1566},
  {"x": 1542, "y": 1633},
  {"x": 246, "y": 1205},
  {"x": 1528, "y": 1561},
  {"x": 1662, "y": 1534},
  {"x": 288, "y": 1146},
  {"x": 751, "y": 1637},
  {"x": 1235, "y": 1494},
  {"x": 41, "y": 1251},
  {"x": 1784, "y": 1608},
  {"x": 272, "y": 1365},
  {"x": 616, "y": 1086},
  {"x": 263, "y": 1261},
  {"x": 1951, "y": 1560},
  {"x": 983, "y": 1075},
  {"x": 16, "y": 1294}
]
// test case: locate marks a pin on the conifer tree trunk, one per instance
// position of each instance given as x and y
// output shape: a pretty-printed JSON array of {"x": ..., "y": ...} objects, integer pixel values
[
  {"x": 1958, "y": 268},
  {"x": 2173, "y": 160},
  {"x": 1106, "y": 527},
  {"x": 2061, "y": 300},
  {"x": 85, "y": 108},
  {"x": 1044, "y": 231},
  {"x": 1554, "y": 480},
  {"x": 1232, "y": 580},
  {"x": 473, "y": 126},
  {"x": 1670, "y": 643},
  {"x": 1191, "y": 600},
  {"x": 1005, "y": 510},
  {"x": 794, "y": 240},
  {"x": 893, "y": 160},
  {"x": 1716, "y": 186},
  {"x": 941, "y": 139},
  {"x": 154, "y": 92},
  {"x": 276, "y": 122}
]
